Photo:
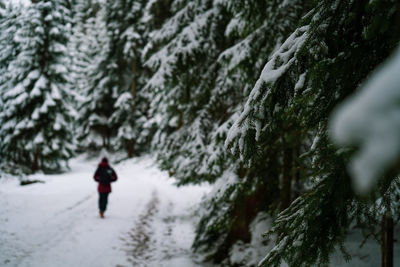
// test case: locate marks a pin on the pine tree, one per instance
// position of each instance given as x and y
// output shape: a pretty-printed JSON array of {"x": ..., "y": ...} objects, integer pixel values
[
  {"x": 9, "y": 23},
  {"x": 110, "y": 117},
  {"x": 246, "y": 190},
  {"x": 296, "y": 91},
  {"x": 182, "y": 46},
  {"x": 83, "y": 45},
  {"x": 36, "y": 116},
  {"x": 88, "y": 37},
  {"x": 130, "y": 115},
  {"x": 2, "y": 10},
  {"x": 97, "y": 101}
]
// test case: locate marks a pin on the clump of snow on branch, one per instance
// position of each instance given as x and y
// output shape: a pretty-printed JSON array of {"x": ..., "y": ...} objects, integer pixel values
[
  {"x": 279, "y": 64},
  {"x": 371, "y": 120}
]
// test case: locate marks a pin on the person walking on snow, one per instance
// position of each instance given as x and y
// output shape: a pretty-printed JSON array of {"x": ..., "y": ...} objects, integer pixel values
[{"x": 104, "y": 175}]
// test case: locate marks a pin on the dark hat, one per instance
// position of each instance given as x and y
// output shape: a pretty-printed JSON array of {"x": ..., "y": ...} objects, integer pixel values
[{"x": 105, "y": 160}]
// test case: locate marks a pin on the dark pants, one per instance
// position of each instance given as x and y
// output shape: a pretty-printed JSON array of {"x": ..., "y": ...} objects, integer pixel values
[{"x": 103, "y": 199}]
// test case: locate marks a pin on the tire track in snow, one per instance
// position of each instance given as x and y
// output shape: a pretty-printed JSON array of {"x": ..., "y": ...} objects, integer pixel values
[
  {"x": 141, "y": 242},
  {"x": 75, "y": 205},
  {"x": 156, "y": 238},
  {"x": 60, "y": 225}
]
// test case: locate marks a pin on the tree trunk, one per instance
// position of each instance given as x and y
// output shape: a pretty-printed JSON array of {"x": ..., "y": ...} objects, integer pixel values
[
  {"x": 387, "y": 239},
  {"x": 104, "y": 135},
  {"x": 297, "y": 173},
  {"x": 286, "y": 191},
  {"x": 133, "y": 84},
  {"x": 130, "y": 148},
  {"x": 180, "y": 120},
  {"x": 35, "y": 165}
]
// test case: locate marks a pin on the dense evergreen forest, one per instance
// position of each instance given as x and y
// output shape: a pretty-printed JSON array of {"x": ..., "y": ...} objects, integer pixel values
[{"x": 240, "y": 94}]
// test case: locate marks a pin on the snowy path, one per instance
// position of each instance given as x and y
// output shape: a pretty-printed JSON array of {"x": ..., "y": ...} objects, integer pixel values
[{"x": 149, "y": 222}]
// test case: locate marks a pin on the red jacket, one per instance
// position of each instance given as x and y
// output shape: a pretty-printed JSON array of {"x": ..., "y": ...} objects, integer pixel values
[{"x": 104, "y": 188}]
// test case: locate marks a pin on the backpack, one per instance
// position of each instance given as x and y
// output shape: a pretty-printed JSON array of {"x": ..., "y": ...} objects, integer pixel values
[{"x": 105, "y": 175}]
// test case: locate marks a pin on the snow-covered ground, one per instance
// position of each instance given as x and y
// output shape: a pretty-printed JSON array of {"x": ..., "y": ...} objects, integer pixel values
[
  {"x": 149, "y": 221},
  {"x": 369, "y": 255}
]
